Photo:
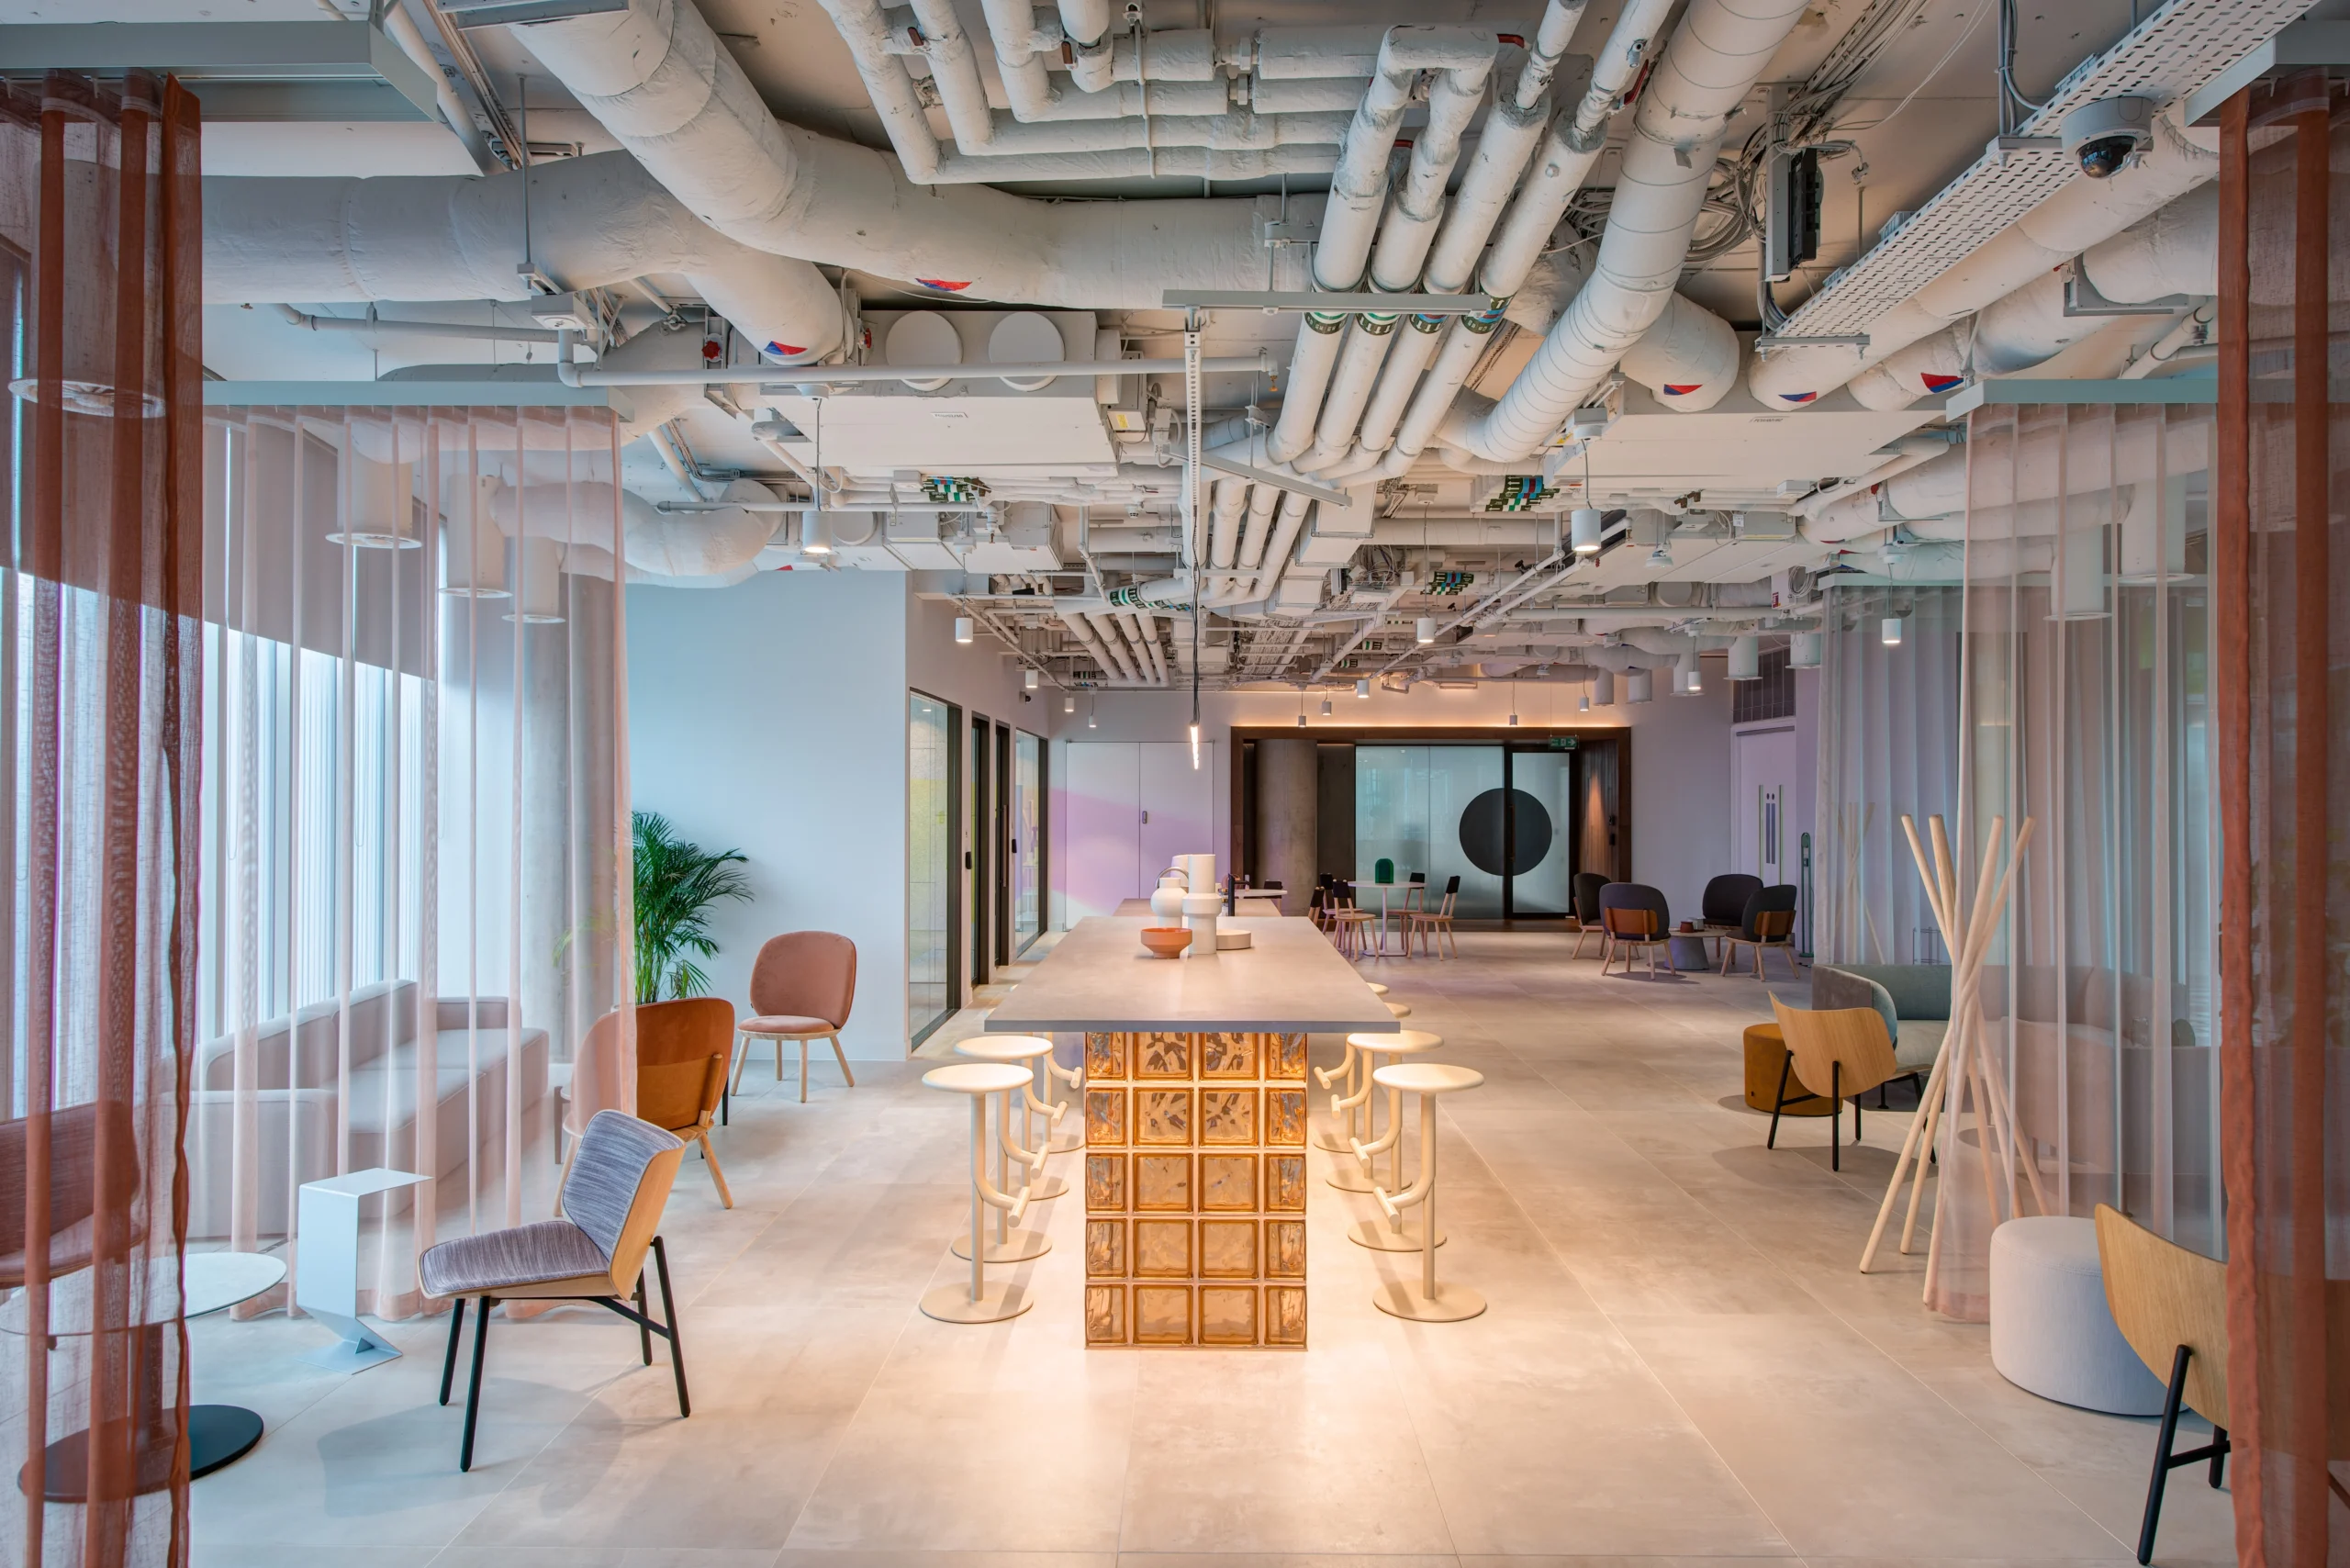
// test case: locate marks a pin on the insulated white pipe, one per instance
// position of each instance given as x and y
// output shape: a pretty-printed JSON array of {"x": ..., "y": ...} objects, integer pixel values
[
  {"x": 1113, "y": 643},
  {"x": 1080, "y": 627},
  {"x": 1721, "y": 50},
  {"x": 1142, "y": 631},
  {"x": 660, "y": 82},
  {"x": 955, "y": 72},
  {"x": 677, "y": 544},
  {"x": 1224, "y": 528},
  {"x": 1568, "y": 155},
  {"x": 1086, "y": 24},
  {"x": 1020, "y": 56},
  {"x": 1689, "y": 359},
  {"x": 1403, "y": 237},
  {"x": 1277, "y": 554},
  {"x": 595, "y": 221},
  {"x": 1261, "y": 502},
  {"x": 2081, "y": 213},
  {"x": 405, "y": 32},
  {"x": 1350, "y": 218}
]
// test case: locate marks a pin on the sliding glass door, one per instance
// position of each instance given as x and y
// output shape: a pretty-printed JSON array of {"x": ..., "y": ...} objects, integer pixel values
[{"x": 1027, "y": 840}]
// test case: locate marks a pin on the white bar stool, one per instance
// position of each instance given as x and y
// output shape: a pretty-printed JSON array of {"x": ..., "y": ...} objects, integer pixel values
[
  {"x": 1021, "y": 1050},
  {"x": 1389, "y": 1235},
  {"x": 1073, "y": 1077},
  {"x": 1427, "y": 1302},
  {"x": 1351, "y": 1067},
  {"x": 1400, "y": 1009},
  {"x": 980, "y": 1302}
]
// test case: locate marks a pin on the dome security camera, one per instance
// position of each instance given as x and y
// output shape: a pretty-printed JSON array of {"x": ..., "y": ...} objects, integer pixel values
[{"x": 2109, "y": 135}]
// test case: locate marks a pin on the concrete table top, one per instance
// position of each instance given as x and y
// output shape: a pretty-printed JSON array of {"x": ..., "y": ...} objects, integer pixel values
[{"x": 1097, "y": 977}]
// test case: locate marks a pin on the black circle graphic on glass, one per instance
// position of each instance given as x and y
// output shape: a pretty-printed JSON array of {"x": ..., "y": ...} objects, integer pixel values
[{"x": 1480, "y": 833}]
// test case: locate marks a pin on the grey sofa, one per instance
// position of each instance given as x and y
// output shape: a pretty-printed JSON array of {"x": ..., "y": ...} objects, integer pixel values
[{"x": 1912, "y": 999}]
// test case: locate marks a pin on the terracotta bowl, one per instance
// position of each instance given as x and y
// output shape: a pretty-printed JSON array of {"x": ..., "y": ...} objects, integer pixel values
[{"x": 1165, "y": 941}]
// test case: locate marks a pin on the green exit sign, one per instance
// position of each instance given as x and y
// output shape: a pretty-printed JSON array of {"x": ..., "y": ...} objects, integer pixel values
[{"x": 1562, "y": 743}]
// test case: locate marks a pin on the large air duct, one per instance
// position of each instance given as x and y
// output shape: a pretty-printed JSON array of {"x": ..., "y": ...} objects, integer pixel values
[
  {"x": 2079, "y": 214},
  {"x": 658, "y": 79},
  {"x": 594, "y": 221},
  {"x": 1688, "y": 360},
  {"x": 669, "y": 544},
  {"x": 2174, "y": 250},
  {"x": 1720, "y": 50}
]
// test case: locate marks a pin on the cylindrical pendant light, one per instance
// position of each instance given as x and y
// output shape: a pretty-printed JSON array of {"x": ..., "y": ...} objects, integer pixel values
[
  {"x": 1028, "y": 679},
  {"x": 815, "y": 534},
  {"x": 1362, "y": 687},
  {"x": 473, "y": 552},
  {"x": 1746, "y": 658},
  {"x": 1640, "y": 685},
  {"x": 1889, "y": 631},
  {"x": 1424, "y": 630},
  {"x": 1582, "y": 700},
  {"x": 963, "y": 629},
  {"x": 1692, "y": 682},
  {"x": 1584, "y": 527},
  {"x": 378, "y": 506},
  {"x": 1326, "y": 707},
  {"x": 534, "y": 578},
  {"x": 1603, "y": 687},
  {"x": 1804, "y": 650}
]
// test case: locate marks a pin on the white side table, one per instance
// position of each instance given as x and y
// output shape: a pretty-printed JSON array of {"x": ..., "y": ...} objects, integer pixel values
[{"x": 327, "y": 1285}]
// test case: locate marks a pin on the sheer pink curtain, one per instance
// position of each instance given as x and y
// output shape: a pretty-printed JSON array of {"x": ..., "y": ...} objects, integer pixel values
[
  {"x": 99, "y": 757},
  {"x": 415, "y": 813}
]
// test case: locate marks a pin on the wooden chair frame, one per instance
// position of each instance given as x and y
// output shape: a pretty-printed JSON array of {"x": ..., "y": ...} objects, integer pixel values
[
  {"x": 1633, "y": 930},
  {"x": 1773, "y": 928},
  {"x": 1845, "y": 1048}
]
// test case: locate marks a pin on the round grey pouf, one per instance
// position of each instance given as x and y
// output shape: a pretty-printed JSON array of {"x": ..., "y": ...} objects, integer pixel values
[{"x": 2052, "y": 1333}]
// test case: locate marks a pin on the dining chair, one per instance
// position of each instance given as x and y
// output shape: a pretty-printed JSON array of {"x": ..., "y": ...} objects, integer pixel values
[
  {"x": 1434, "y": 922},
  {"x": 1415, "y": 892},
  {"x": 681, "y": 1048},
  {"x": 1769, "y": 921},
  {"x": 1349, "y": 921},
  {"x": 1836, "y": 1054},
  {"x": 802, "y": 986},
  {"x": 607, "y": 1217},
  {"x": 1636, "y": 919}
]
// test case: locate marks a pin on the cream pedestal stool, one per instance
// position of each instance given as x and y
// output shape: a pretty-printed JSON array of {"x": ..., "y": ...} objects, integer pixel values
[
  {"x": 1400, "y": 1009},
  {"x": 979, "y": 1302},
  {"x": 1070, "y": 1077},
  {"x": 1390, "y": 1234},
  {"x": 1023, "y": 1050},
  {"x": 1427, "y": 1302},
  {"x": 1351, "y": 1066}
]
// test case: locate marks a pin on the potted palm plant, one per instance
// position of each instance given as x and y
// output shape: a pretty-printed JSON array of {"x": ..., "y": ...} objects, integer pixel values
[{"x": 677, "y": 883}]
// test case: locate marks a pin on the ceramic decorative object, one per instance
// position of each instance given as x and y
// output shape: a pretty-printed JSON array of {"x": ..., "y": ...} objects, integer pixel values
[
  {"x": 1231, "y": 941},
  {"x": 1383, "y": 872},
  {"x": 1167, "y": 899},
  {"x": 1199, "y": 911},
  {"x": 1166, "y": 941}
]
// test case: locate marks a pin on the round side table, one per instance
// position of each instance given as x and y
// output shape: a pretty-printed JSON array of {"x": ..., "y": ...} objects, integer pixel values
[
  {"x": 1766, "y": 1052},
  {"x": 217, "y": 1434}
]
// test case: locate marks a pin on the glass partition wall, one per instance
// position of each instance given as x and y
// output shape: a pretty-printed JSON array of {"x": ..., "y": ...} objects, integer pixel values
[
  {"x": 929, "y": 797},
  {"x": 1027, "y": 840},
  {"x": 1496, "y": 816}
]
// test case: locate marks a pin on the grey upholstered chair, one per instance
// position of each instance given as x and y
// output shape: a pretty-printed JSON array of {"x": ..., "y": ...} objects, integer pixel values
[
  {"x": 1586, "y": 895},
  {"x": 1636, "y": 919},
  {"x": 610, "y": 1212},
  {"x": 1725, "y": 899},
  {"x": 1769, "y": 922}
]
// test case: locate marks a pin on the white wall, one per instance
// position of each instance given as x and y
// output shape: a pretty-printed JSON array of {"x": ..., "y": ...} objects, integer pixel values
[
  {"x": 1681, "y": 753},
  {"x": 770, "y": 717}
]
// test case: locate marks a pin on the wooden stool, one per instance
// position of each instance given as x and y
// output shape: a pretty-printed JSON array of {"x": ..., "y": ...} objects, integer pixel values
[
  {"x": 1389, "y": 1235},
  {"x": 1766, "y": 1053},
  {"x": 1021, "y": 1050},
  {"x": 980, "y": 1302},
  {"x": 1427, "y": 1302}
]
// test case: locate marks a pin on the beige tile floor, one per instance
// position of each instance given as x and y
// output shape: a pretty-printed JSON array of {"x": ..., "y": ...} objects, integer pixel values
[{"x": 1681, "y": 1363}]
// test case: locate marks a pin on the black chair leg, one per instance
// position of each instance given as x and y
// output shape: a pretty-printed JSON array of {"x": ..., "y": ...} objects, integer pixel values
[
  {"x": 2220, "y": 1449},
  {"x": 1856, "y": 1120},
  {"x": 456, "y": 1332},
  {"x": 644, "y": 1335},
  {"x": 669, "y": 1315},
  {"x": 1836, "y": 1116},
  {"x": 472, "y": 1389},
  {"x": 2164, "y": 1436},
  {"x": 1779, "y": 1099}
]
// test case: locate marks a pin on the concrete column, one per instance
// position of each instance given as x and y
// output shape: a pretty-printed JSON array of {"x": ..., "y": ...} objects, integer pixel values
[{"x": 1288, "y": 801}]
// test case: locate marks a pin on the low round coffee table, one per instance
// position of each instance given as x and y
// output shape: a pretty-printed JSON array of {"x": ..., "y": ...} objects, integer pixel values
[
  {"x": 218, "y": 1434},
  {"x": 1766, "y": 1052}
]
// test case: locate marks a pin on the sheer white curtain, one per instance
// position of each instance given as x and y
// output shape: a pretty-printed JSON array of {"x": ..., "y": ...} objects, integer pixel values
[
  {"x": 414, "y": 805},
  {"x": 1888, "y": 746},
  {"x": 2088, "y": 615}
]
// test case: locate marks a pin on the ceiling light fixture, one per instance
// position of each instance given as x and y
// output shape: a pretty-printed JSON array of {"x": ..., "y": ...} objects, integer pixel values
[
  {"x": 1692, "y": 682},
  {"x": 1028, "y": 679},
  {"x": 1512, "y": 703},
  {"x": 1804, "y": 650},
  {"x": 1093, "y": 712},
  {"x": 1746, "y": 658},
  {"x": 963, "y": 630},
  {"x": 1603, "y": 687},
  {"x": 1582, "y": 700},
  {"x": 1195, "y": 744},
  {"x": 1068, "y": 702},
  {"x": 1362, "y": 689},
  {"x": 815, "y": 532},
  {"x": 1585, "y": 526},
  {"x": 1326, "y": 707},
  {"x": 1889, "y": 631},
  {"x": 1424, "y": 631}
]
